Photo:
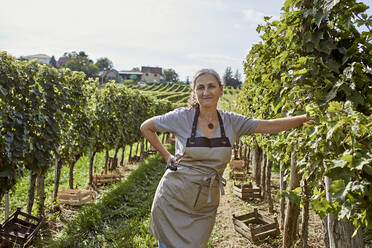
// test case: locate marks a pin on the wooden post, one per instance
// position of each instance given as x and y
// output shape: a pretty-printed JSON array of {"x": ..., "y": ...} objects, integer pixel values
[
  {"x": 71, "y": 175},
  {"x": 6, "y": 205},
  {"x": 138, "y": 144},
  {"x": 31, "y": 192},
  {"x": 91, "y": 168},
  {"x": 293, "y": 210},
  {"x": 340, "y": 232},
  {"x": 142, "y": 148},
  {"x": 256, "y": 167},
  {"x": 244, "y": 151},
  {"x": 263, "y": 174},
  {"x": 57, "y": 176},
  {"x": 114, "y": 162},
  {"x": 106, "y": 161},
  {"x": 40, "y": 194},
  {"x": 305, "y": 216},
  {"x": 122, "y": 156},
  {"x": 130, "y": 152},
  {"x": 241, "y": 151},
  {"x": 325, "y": 231},
  {"x": 268, "y": 186},
  {"x": 71, "y": 172},
  {"x": 283, "y": 186},
  {"x": 247, "y": 158}
]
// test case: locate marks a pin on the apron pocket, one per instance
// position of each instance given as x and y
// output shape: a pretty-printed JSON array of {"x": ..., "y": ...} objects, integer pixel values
[
  {"x": 182, "y": 193},
  {"x": 202, "y": 204},
  {"x": 189, "y": 194}
]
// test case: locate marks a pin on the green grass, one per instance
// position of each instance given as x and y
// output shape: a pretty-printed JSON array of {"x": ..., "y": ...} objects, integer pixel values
[{"x": 120, "y": 218}]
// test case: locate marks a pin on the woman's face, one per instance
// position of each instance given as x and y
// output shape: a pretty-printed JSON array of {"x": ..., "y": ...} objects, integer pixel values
[{"x": 208, "y": 91}]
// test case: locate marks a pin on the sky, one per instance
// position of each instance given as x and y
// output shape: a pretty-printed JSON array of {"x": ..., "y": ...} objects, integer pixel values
[{"x": 185, "y": 35}]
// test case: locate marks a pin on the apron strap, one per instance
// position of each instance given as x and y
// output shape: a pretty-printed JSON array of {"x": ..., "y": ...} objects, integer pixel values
[
  {"x": 221, "y": 125},
  {"x": 195, "y": 122}
]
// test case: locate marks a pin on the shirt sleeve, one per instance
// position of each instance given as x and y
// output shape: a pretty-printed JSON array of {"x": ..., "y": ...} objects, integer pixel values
[
  {"x": 243, "y": 125},
  {"x": 169, "y": 122}
]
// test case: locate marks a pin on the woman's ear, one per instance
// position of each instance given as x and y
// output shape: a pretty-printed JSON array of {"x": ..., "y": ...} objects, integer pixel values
[{"x": 221, "y": 89}]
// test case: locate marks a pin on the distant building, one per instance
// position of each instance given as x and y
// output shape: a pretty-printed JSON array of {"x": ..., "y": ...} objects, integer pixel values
[
  {"x": 112, "y": 74},
  {"x": 61, "y": 61},
  {"x": 108, "y": 75},
  {"x": 151, "y": 74},
  {"x": 147, "y": 74},
  {"x": 40, "y": 57},
  {"x": 131, "y": 75}
]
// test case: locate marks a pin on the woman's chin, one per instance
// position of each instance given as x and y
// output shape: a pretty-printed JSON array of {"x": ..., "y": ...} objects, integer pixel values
[{"x": 208, "y": 104}]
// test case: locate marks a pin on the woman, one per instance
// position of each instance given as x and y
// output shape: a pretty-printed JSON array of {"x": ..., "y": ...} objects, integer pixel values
[{"x": 186, "y": 200}]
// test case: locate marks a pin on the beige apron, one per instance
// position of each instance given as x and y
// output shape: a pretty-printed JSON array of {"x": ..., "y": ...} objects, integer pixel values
[{"x": 185, "y": 204}]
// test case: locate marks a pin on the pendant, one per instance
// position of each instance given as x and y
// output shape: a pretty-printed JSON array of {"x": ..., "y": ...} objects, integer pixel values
[{"x": 210, "y": 125}]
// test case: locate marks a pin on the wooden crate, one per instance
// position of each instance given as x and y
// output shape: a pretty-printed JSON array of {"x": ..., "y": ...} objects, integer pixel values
[
  {"x": 19, "y": 229},
  {"x": 238, "y": 174},
  {"x": 236, "y": 164},
  {"x": 76, "y": 197},
  {"x": 247, "y": 191},
  {"x": 255, "y": 226},
  {"x": 106, "y": 179}
]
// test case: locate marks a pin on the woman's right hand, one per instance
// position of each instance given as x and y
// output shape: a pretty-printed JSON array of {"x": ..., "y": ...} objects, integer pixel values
[
  {"x": 171, "y": 163},
  {"x": 171, "y": 158}
]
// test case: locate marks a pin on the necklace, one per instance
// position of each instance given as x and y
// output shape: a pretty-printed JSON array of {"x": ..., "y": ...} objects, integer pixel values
[{"x": 210, "y": 124}]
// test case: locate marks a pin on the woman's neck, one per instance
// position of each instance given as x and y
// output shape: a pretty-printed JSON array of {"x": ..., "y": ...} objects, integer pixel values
[{"x": 209, "y": 113}]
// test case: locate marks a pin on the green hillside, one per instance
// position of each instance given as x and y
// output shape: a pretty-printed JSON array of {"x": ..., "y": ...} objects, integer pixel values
[{"x": 179, "y": 94}]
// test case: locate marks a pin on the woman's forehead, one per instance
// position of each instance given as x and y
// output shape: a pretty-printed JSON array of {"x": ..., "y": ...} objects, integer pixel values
[{"x": 206, "y": 79}]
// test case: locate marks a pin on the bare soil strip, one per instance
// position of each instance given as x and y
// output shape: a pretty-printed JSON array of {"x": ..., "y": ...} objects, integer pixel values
[{"x": 225, "y": 236}]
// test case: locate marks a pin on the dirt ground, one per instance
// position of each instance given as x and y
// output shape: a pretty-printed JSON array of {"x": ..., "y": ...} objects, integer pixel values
[{"x": 225, "y": 236}]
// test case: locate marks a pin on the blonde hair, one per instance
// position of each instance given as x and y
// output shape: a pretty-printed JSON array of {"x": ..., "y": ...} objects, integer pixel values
[{"x": 193, "y": 102}]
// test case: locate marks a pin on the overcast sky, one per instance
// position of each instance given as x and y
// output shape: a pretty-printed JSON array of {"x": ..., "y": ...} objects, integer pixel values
[{"x": 185, "y": 35}]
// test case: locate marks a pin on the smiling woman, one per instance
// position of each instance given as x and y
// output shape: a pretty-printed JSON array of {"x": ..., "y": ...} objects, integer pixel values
[
  {"x": 210, "y": 77},
  {"x": 207, "y": 90},
  {"x": 185, "y": 204}
]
